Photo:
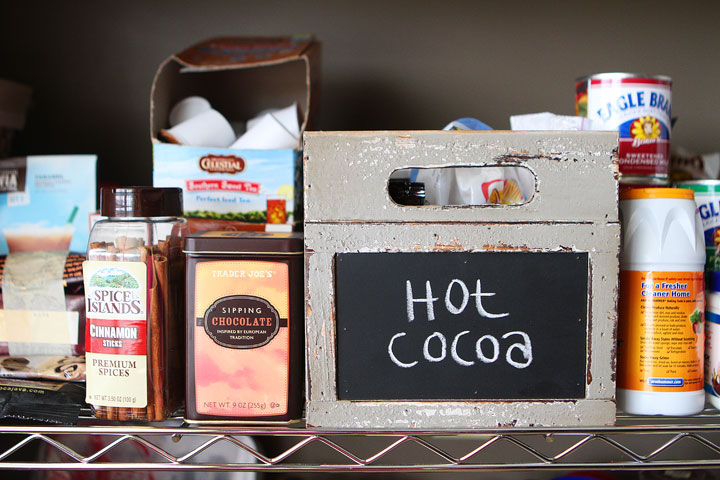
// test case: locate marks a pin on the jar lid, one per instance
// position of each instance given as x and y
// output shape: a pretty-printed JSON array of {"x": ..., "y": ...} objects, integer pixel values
[
  {"x": 141, "y": 202},
  {"x": 244, "y": 242},
  {"x": 625, "y": 76}
]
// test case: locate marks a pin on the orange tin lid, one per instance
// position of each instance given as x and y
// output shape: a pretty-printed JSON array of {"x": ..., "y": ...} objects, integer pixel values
[{"x": 656, "y": 192}]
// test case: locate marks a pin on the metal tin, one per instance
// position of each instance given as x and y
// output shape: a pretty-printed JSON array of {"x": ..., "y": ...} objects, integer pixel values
[
  {"x": 245, "y": 329},
  {"x": 707, "y": 198},
  {"x": 639, "y": 108}
]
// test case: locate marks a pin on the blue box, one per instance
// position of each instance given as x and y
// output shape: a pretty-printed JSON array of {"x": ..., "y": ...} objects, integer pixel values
[
  {"x": 46, "y": 202},
  {"x": 227, "y": 185}
]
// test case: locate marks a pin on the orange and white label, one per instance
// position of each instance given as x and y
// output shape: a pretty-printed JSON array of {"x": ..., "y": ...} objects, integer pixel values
[
  {"x": 241, "y": 339},
  {"x": 660, "y": 332},
  {"x": 116, "y": 333}
]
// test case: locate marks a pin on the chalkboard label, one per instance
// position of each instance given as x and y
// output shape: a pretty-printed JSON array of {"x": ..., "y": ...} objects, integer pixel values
[{"x": 461, "y": 325}]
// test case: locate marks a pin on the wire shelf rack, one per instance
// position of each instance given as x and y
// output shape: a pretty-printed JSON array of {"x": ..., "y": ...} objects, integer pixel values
[{"x": 635, "y": 443}]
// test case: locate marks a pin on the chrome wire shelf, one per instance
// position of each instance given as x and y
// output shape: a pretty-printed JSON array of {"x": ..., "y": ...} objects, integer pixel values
[{"x": 635, "y": 443}]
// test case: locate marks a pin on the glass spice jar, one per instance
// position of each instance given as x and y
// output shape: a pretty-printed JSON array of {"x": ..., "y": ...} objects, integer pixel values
[{"x": 133, "y": 276}]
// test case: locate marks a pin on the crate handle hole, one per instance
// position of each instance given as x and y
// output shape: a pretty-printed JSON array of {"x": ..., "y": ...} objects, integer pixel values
[{"x": 495, "y": 185}]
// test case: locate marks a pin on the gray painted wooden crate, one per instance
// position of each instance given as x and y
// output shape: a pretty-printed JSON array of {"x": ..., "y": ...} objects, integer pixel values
[{"x": 348, "y": 209}]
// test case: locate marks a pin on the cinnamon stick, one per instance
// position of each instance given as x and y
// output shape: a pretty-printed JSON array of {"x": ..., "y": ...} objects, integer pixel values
[
  {"x": 93, "y": 247},
  {"x": 146, "y": 257},
  {"x": 164, "y": 247},
  {"x": 160, "y": 298}
]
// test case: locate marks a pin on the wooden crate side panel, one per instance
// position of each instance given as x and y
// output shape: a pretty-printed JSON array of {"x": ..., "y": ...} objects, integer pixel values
[
  {"x": 346, "y": 174},
  {"x": 323, "y": 241},
  {"x": 320, "y": 327},
  {"x": 459, "y": 415}
]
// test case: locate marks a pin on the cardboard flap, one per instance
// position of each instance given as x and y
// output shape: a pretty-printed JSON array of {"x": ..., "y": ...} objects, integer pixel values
[
  {"x": 240, "y": 77},
  {"x": 241, "y": 52}
]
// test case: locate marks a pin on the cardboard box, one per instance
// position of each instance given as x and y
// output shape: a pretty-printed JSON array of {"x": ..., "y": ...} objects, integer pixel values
[
  {"x": 461, "y": 316},
  {"x": 240, "y": 77},
  {"x": 46, "y": 202}
]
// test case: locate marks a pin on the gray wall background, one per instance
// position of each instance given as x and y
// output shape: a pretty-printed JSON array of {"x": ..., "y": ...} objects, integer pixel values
[{"x": 386, "y": 64}]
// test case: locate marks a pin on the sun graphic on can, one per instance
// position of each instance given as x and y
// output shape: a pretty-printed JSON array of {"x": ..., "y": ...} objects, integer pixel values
[
  {"x": 645, "y": 127},
  {"x": 581, "y": 102}
]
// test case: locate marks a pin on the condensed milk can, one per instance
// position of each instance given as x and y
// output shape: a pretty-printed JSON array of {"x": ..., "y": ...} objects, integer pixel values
[{"x": 639, "y": 108}]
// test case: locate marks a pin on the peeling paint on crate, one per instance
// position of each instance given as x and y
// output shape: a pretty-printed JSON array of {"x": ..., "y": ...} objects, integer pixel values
[
  {"x": 453, "y": 245},
  {"x": 519, "y": 158},
  {"x": 499, "y": 247},
  {"x": 573, "y": 209}
]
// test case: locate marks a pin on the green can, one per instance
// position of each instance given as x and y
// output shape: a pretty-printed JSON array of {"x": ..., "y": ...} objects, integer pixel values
[{"x": 707, "y": 198}]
